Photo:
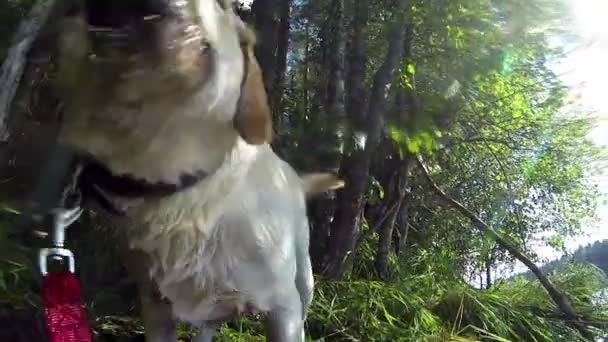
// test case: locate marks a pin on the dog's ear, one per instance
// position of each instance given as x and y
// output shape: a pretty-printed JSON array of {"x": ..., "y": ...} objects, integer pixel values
[
  {"x": 253, "y": 119},
  {"x": 314, "y": 183}
]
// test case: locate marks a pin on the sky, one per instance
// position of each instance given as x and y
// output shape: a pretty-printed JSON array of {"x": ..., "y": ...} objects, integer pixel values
[{"x": 585, "y": 71}]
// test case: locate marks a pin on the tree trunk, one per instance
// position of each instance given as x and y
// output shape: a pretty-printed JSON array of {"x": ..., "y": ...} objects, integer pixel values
[
  {"x": 266, "y": 22},
  {"x": 333, "y": 115},
  {"x": 488, "y": 275},
  {"x": 354, "y": 169},
  {"x": 281, "y": 60},
  {"x": 16, "y": 59},
  {"x": 405, "y": 110},
  {"x": 558, "y": 298},
  {"x": 335, "y": 81},
  {"x": 386, "y": 232},
  {"x": 319, "y": 95},
  {"x": 357, "y": 57},
  {"x": 404, "y": 226},
  {"x": 305, "y": 82}
]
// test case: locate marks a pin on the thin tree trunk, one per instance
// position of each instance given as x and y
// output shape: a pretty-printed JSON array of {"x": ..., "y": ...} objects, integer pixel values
[
  {"x": 281, "y": 59},
  {"x": 334, "y": 105},
  {"x": 16, "y": 59},
  {"x": 335, "y": 81},
  {"x": 560, "y": 299},
  {"x": 386, "y": 232},
  {"x": 321, "y": 211},
  {"x": 405, "y": 110},
  {"x": 404, "y": 226},
  {"x": 316, "y": 62},
  {"x": 488, "y": 274},
  {"x": 306, "y": 82},
  {"x": 355, "y": 168},
  {"x": 357, "y": 57},
  {"x": 333, "y": 115},
  {"x": 266, "y": 21}
]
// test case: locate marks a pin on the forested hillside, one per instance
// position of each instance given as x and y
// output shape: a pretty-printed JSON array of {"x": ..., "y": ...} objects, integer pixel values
[
  {"x": 459, "y": 145},
  {"x": 593, "y": 253}
]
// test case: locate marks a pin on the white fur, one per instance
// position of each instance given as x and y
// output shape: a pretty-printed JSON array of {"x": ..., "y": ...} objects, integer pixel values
[{"x": 229, "y": 241}]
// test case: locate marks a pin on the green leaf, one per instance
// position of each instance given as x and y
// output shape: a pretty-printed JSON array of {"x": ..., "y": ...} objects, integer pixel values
[
  {"x": 396, "y": 134},
  {"x": 411, "y": 69},
  {"x": 413, "y": 145},
  {"x": 555, "y": 242},
  {"x": 427, "y": 140}
]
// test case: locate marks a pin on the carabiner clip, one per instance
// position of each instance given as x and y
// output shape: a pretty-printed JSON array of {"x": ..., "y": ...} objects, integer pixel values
[{"x": 62, "y": 219}]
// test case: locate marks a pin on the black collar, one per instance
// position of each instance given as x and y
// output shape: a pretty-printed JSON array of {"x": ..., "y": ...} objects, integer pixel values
[{"x": 95, "y": 176}]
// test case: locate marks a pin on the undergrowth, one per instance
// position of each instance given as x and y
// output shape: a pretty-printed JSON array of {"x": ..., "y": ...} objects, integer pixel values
[{"x": 422, "y": 304}]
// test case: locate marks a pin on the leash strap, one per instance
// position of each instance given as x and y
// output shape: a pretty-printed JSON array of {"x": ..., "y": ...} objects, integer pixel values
[{"x": 65, "y": 314}]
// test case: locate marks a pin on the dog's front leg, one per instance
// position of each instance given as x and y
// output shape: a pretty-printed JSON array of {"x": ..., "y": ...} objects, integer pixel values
[
  {"x": 284, "y": 323},
  {"x": 156, "y": 313},
  {"x": 157, "y": 318},
  {"x": 208, "y": 330}
]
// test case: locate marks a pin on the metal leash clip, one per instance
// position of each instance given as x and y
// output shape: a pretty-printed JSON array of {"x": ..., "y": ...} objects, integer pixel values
[{"x": 62, "y": 219}]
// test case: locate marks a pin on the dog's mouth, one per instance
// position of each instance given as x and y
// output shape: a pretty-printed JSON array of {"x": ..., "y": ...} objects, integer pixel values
[
  {"x": 131, "y": 24},
  {"x": 120, "y": 14},
  {"x": 131, "y": 46}
]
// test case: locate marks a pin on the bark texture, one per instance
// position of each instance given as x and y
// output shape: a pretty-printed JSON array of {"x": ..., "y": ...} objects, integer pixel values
[
  {"x": 357, "y": 57},
  {"x": 16, "y": 59},
  {"x": 332, "y": 117},
  {"x": 266, "y": 20},
  {"x": 397, "y": 182},
  {"x": 399, "y": 189},
  {"x": 281, "y": 59},
  {"x": 354, "y": 168}
]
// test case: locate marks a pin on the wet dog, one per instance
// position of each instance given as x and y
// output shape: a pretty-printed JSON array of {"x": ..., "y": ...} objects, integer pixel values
[{"x": 166, "y": 98}]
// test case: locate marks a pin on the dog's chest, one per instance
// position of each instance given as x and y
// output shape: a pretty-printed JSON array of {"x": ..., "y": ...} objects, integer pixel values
[{"x": 214, "y": 259}]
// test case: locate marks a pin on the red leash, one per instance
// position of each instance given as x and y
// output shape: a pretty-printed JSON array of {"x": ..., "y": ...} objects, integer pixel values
[
  {"x": 65, "y": 314},
  {"x": 63, "y": 308}
]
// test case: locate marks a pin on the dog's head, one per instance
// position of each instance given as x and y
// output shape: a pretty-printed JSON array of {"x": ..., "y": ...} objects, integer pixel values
[{"x": 124, "y": 66}]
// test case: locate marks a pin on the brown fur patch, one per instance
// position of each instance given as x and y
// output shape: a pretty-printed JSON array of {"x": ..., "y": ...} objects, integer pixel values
[{"x": 253, "y": 119}]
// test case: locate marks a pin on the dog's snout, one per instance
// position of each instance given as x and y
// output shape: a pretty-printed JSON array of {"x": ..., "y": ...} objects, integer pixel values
[{"x": 131, "y": 47}]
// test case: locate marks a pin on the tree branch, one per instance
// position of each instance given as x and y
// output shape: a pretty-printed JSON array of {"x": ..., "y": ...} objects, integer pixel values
[
  {"x": 16, "y": 59},
  {"x": 560, "y": 299}
]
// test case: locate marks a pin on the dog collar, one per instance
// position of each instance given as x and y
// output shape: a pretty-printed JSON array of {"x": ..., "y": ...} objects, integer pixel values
[
  {"x": 95, "y": 176},
  {"x": 127, "y": 186}
]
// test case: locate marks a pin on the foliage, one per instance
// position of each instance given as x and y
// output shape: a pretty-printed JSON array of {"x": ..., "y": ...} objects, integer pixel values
[
  {"x": 15, "y": 268},
  {"x": 513, "y": 310}
]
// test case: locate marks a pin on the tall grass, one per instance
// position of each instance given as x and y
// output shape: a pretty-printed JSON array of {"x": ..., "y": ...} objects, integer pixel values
[{"x": 421, "y": 302}]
